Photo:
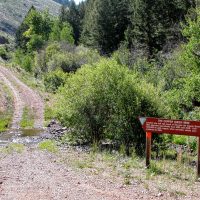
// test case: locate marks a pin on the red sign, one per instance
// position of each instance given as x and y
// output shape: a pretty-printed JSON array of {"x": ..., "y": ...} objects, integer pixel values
[{"x": 179, "y": 127}]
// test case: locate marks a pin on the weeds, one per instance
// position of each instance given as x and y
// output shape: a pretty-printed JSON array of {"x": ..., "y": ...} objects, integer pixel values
[
  {"x": 27, "y": 118},
  {"x": 4, "y": 123},
  {"x": 6, "y": 114},
  {"x": 13, "y": 147},
  {"x": 48, "y": 145}
]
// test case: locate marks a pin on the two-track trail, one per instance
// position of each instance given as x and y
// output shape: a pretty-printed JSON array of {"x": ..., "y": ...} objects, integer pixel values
[{"x": 23, "y": 97}]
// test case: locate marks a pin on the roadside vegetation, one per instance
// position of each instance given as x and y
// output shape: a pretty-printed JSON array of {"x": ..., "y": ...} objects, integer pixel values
[
  {"x": 165, "y": 175},
  {"x": 103, "y": 64},
  {"x": 6, "y": 107},
  {"x": 27, "y": 118},
  {"x": 12, "y": 148},
  {"x": 48, "y": 145}
]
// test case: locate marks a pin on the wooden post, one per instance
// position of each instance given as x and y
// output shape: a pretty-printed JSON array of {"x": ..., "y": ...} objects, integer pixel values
[
  {"x": 148, "y": 148},
  {"x": 198, "y": 164}
]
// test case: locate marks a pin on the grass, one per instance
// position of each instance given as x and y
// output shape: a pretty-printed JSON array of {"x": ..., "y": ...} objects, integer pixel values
[
  {"x": 27, "y": 118},
  {"x": 48, "y": 113},
  {"x": 6, "y": 113},
  {"x": 164, "y": 175},
  {"x": 12, "y": 147},
  {"x": 4, "y": 122},
  {"x": 48, "y": 145}
]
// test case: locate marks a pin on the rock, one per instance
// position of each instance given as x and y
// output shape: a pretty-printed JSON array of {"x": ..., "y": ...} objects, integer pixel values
[
  {"x": 159, "y": 195},
  {"x": 56, "y": 130}
]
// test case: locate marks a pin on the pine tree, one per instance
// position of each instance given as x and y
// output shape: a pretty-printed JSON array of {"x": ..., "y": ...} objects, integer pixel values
[
  {"x": 73, "y": 18},
  {"x": 62, "y": 14},
  {"x": 55, "y": 32},
  {"x": 20, "y": 39},
  {"x": 154, "y": 23},
  {"x": 105, "y": 23}
]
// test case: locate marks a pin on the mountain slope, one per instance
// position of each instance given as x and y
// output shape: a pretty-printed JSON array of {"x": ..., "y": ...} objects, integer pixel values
[
  {"x": 13, "y": 12},
  {"x": 63, "y": 2}
]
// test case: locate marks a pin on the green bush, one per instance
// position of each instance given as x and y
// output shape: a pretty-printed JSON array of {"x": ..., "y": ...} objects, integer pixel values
[
  {"x": 70, "y": 61},
  {"x": 3, "y": 53},
  {"x": 27, "y": 63},
  {"x": 184, "y": 98},
  {"x": 35, "y": 43},
  {"x": 18, "y": 56},
  {"x": 53, "y": 80},
  {"x": 103, "y": 101},
  {"x": 4, "y": 123},
  {"x": 181, "y": 140},
  {"x": 63, "y": 56}
]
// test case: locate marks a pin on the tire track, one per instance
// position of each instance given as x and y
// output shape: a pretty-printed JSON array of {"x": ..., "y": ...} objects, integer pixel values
[
  {"x": 18, "y": 103},
  {"x": 23, "y": 96}
]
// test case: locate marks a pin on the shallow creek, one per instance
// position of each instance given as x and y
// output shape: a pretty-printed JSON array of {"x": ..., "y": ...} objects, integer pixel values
[{"x": 24, "y": 136}]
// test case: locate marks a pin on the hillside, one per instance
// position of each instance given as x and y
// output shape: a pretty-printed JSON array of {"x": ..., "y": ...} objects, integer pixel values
[
  {"x": 64, "y": 2},
  {"x": 12, "y": 14}
]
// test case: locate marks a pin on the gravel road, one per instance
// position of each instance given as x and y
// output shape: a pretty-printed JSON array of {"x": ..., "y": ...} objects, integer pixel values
[
  {"x": 39, "y": 175},
  {"x": 23, "y": 96}
]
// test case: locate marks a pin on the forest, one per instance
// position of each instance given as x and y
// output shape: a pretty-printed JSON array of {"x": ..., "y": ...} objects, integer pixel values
[{"x": 107, "y": 62}]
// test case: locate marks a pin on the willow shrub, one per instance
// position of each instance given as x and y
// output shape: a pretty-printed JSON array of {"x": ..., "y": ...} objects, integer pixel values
[
  {"x": 103, "y": 102},
  {"x": 55, "y": 79}
]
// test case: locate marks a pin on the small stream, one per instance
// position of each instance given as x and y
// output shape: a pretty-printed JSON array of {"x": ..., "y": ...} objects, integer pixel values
[{"x": 24, "y": 136}]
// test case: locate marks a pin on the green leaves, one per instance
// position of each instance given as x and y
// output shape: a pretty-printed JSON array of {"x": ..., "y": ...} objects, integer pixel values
[
  {"x": 66, "y": 34},
  {"x": 38, "y": 28},
  {"x": 104, "y": 24},
  {"x": 103, "y": 101}
]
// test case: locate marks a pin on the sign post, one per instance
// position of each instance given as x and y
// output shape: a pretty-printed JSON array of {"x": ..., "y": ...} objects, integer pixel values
[
  {"x": 178, "y": 127},
  {"x": 198, "y": 163},
  {"x": 148, "y": 148}
]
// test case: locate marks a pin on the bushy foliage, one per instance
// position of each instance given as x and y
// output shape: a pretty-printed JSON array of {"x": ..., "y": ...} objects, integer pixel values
[
  {"x": 182, "y": 75},
  {"x": 27, "y": 63},
  {"x": 53, "y": 80},
  {"x": 64, "y": 56},
  {"x": 184, "y": 98},
  {"x": 38, "y": 28},
  {"x": 24, "y": 60},
  {"x": 103, "y": 101},
  {"x": 62, "y": 32},
  {"x": 3, "y": 53},
  {"x": 191, "y": 53}
]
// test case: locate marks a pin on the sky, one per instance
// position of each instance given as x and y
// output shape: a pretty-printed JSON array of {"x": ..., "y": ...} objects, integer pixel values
[{"x": 77, "y": 1}]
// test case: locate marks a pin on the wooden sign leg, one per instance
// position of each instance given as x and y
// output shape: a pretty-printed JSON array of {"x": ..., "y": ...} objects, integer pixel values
[
  {"x": 198, "y": 164},
  {"x": 148, "y": 148}
]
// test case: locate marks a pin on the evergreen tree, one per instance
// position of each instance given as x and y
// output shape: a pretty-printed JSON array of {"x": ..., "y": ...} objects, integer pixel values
[
  {"x": 55, "y": 32},
  {"x": 105, "y": 23},
  {"x": 62, "y": 14},
  {"x": 20, "y": 39},
  {"x": 155, "y": 22},
  {"x": 66, "y": 33}
]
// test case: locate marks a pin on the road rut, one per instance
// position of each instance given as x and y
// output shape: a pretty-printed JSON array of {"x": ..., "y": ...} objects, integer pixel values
[{"x": 23, "y": 96}]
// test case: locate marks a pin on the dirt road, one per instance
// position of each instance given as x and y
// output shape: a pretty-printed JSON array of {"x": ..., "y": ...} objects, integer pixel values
[
  {"x": 23, "y": 96},
  {"x": 39, "y": 175}
]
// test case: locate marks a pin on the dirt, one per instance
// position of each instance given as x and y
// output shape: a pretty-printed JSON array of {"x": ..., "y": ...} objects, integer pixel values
[
  {"x": 23, "y": 96},
  {"x": 39, "y": 175},
  {"x": 36, "y": 174}
]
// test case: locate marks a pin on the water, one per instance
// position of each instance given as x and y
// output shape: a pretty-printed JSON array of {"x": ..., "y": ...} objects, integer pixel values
[{"x": 24, "y": 136}]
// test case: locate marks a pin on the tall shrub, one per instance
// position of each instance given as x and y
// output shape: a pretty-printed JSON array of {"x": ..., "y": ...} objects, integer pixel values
[{"x": 103, "y": 101}]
